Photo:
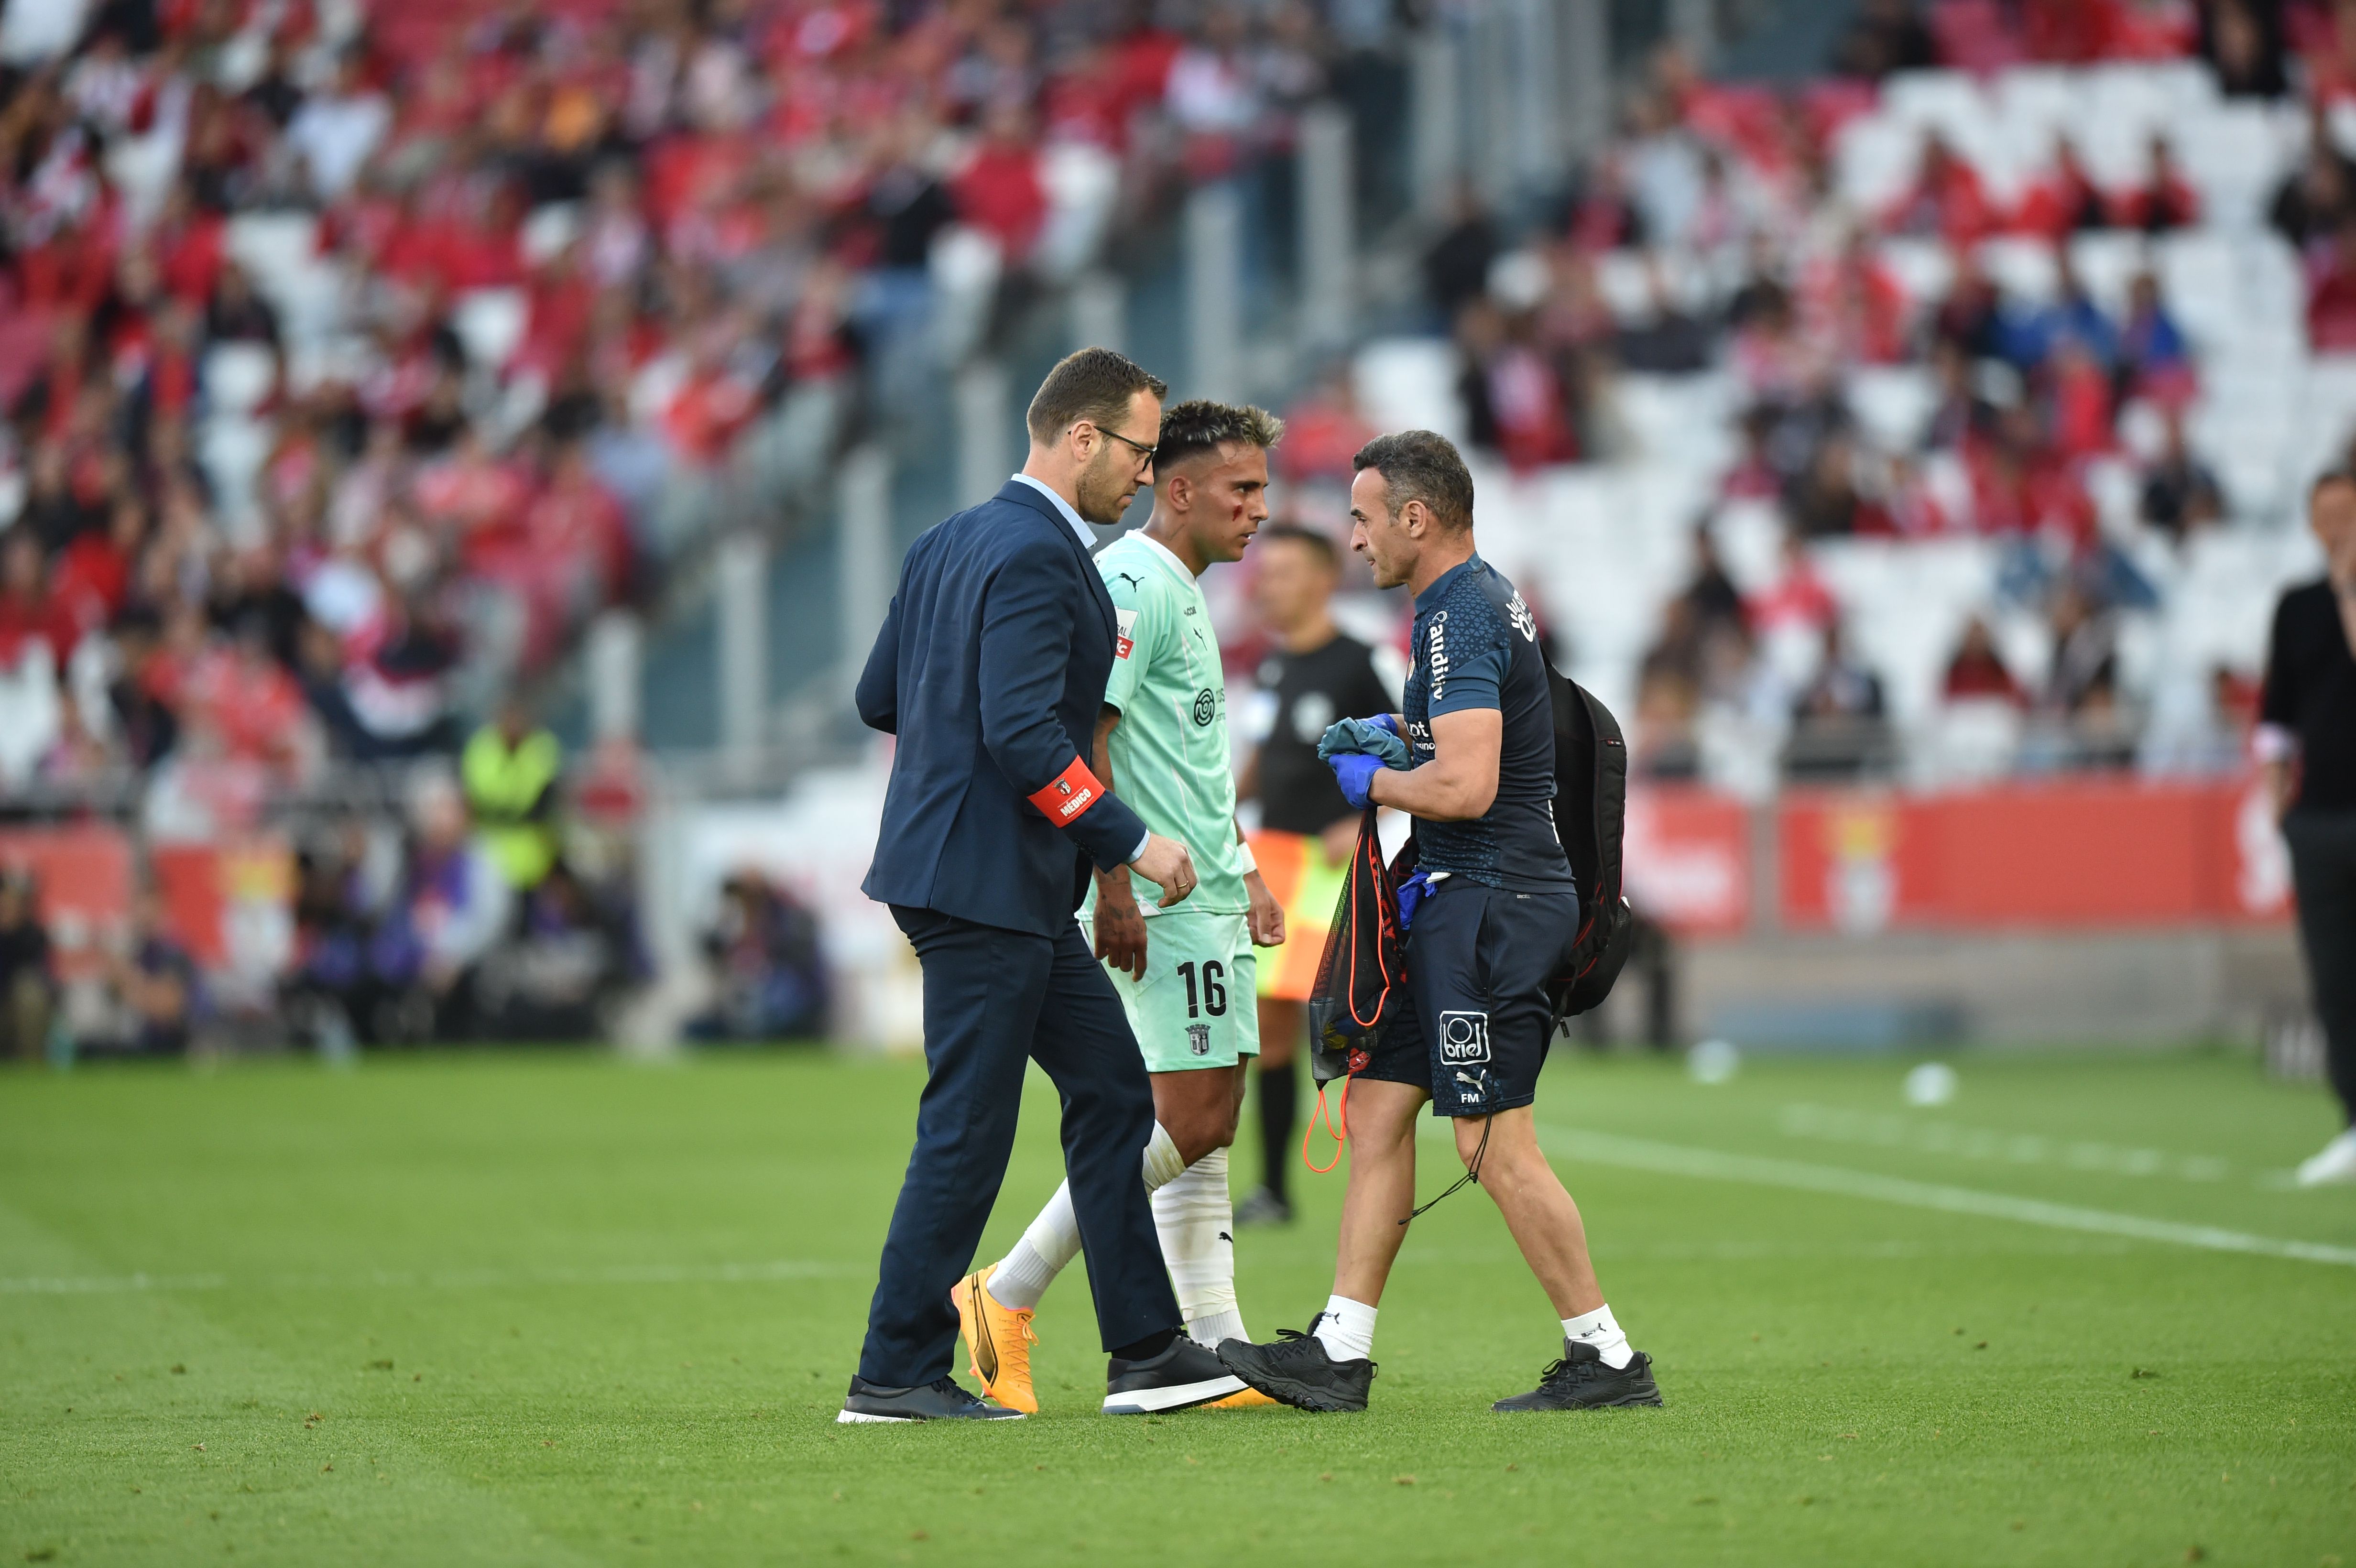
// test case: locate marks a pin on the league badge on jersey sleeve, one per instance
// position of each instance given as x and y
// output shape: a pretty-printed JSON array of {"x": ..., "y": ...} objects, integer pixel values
[{"x": 1124, "y": 632}]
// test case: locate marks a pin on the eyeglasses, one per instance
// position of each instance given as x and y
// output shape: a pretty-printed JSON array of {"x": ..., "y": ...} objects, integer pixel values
[{"x": 1144, "y": 452}]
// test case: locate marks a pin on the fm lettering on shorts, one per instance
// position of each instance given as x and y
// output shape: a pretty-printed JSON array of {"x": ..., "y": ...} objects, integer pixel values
[{"x": 1463, "y": 1039}]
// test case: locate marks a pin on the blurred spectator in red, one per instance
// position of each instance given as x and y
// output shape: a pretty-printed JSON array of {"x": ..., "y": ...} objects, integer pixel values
[
  {"x": 2064, "y": 201},
  {"x": 1325, "y": 430},
  {"x": 1515, "y": 400},
  {"x": 1796, "y": 599},
  {"x": 29, "y": 611},
  {"x": 1946, "y": 200},
  {"x": 1825, "y": 502},
  {"x": 2078, "y": 392},
  {"x": 998, "y": 190},
  {"x": 2331, "y": 294},
  {"x": 1977, "y": 671},
  {"x": 2165, "y": 200}
]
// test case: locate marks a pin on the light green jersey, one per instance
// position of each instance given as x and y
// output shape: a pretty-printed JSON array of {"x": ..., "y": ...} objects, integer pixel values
[{"x": 1170, "y": 758}]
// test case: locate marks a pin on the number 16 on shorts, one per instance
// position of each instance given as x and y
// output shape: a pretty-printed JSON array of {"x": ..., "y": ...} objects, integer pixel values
[{"x": 1197, "y": 1006}]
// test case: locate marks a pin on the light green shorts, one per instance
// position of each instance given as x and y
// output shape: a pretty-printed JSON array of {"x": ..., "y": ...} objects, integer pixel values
[{"x": 1198, "y": 1004}]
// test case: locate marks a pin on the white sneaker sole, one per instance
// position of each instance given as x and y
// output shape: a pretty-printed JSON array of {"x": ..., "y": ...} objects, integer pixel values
[
  {"x": 861, "y": 1418},
  {"x": 1178, "y": 1396}
]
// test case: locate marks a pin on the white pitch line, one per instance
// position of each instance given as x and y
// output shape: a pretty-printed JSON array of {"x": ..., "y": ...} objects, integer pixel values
[
  {"x": 1676, "y": 1160},
  {"x": 459, "y": 1279}
]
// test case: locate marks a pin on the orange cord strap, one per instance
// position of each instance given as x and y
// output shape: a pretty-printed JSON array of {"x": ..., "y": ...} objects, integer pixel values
[{"x": 1338, "y": 1119}]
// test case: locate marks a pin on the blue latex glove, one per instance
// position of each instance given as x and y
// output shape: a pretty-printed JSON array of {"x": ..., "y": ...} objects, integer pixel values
[
  {"x": 1354, "y": 771},
  {"x": 1372, "y": 737},
  {"x": 1411, "y": 892}
]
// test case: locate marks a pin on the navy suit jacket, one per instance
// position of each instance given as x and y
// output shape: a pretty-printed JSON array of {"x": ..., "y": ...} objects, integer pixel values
[{"x": 990, "y": 669}]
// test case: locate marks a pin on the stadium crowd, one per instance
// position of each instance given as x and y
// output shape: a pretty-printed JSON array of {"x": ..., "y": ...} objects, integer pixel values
[{"x": 1948, "y": 307}]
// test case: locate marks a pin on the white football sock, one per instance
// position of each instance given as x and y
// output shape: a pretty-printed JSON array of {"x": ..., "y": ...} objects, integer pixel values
[
  {"x": 1052, "y": 1240},
  {"x": 1601, "y": 1329},
  {"x": 1346, "y": 1329},
  {"x": 1196, "y": 1217}
]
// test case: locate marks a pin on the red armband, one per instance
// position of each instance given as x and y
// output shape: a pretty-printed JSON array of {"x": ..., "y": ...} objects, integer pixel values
[{"x": 1071, "y": 791}]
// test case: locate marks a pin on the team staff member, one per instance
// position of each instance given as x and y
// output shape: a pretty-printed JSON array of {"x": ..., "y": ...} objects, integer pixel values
[
  {"x": 1500, "y": 917},
  {"x": 1315, "y": 676},
  {"x": 2307, "y": 739},
  {"x": 992, "y": 659}
]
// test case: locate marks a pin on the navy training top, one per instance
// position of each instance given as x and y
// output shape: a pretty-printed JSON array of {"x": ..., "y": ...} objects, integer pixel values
[{"x": 1476, "y": 645}]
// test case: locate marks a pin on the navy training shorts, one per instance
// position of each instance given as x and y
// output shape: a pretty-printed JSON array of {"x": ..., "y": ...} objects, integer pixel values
[{"x": 1478, "y": 1025}]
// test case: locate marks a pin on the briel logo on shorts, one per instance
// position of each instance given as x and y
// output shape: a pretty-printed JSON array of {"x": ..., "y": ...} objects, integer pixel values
[
  {"x": 1198, "y": 1039},
  {"x": 1463, "y": 1038}
]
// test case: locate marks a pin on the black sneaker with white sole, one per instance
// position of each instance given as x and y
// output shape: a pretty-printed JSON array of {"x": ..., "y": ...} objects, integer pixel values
[
  {"x": 1296, "y": 1371},
  {"x": 1581, "y": 1382},
  {"x": 1180, "y": 1378},
  {"x": 940, "y": 1400}
]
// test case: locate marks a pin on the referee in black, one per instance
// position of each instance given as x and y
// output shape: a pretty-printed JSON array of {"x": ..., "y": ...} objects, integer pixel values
[{"x": 2306, "y": 741}]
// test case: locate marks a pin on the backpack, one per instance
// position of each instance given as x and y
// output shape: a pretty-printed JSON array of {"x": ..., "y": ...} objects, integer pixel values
[{"x": 1590, "y": 816}]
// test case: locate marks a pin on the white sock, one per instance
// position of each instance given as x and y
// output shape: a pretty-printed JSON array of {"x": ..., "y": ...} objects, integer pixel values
[
  {"x": 1601, "y": 1329},
  {"x": 1346, "y": 1329},
  {"x": 1052, "y": 1240},
  {"x": 1196, "y": 1217}
]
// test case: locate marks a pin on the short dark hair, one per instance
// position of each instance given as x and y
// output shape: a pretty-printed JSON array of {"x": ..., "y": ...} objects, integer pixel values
[
  {"x": 1096, "y": 385},
  {"x": 1421, "y": 466},
  {"x": 1199, "y": 425},
  {"x": 2329, "y": 476},
  {"x": 1310, "y": 540}
]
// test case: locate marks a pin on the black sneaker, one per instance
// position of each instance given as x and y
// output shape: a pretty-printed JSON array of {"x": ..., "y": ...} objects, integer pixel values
[
  {"x": 1297, "y": 1372},
  {"x": 1263, "y": 1208},
  {"x": 940, "y": 1400},
  {"x": 1180, "y": 1378},
  {"x": 1581, "y": 1382}
]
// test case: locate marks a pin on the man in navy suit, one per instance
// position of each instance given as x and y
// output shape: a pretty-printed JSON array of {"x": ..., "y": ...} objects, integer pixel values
[{"x": 989, "y": 667}]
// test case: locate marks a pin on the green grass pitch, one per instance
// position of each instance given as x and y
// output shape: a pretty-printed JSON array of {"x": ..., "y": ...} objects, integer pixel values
[{"x": 520, "y": 1310}]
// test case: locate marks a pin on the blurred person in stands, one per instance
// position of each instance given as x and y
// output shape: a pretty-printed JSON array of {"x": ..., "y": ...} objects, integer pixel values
[
  {"x": 2242, "y": 42},
  {"x": 768, "y": 966},
  {"x": 510, "y": 770},
  {"x": 1977, "y": 672},
  {"x": 2320, "y": 194},
  {"x": 2181, "y": 493},
  {"x": 2065, "y": 202},
  {"x": 28, "y": 987},
  {"x": 2163, "y": 201},
  {"x": 330, "y": 992},
  {"x": 2307, "y": 742},
  {"x": 2081, "y": 720},
  {"x": 2155, "y": 359},
  {"x": 1946, "y": 200},
  {"x": 2331, "y": 292},
  {"x": 557, "y": 975},
  {"x": 1885, "y": 35},
  {"x": 1456, "y": 266},
  {"x": 153, "y": 995},
  {"x": 1839, "y": 728},
  {"x": 1325, "y": 430},
  {"x": 1315, "y": 676},
  {"x": 451, "y": 906}
]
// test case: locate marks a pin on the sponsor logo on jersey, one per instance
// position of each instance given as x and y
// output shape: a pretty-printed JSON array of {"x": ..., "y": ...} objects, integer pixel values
[
  {"x": 1524, "y": 622},
  {"x": 1124, "y": 632},
  {"x": 1198, "y": 1039},
  {"x": 1206, "y": 707},
  {"x": 1435, "y": 660},
  {"x": 1463, "y": 1039}
]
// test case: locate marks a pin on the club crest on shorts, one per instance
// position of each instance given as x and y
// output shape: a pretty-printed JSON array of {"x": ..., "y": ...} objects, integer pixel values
[
  {"x": 1198, "y": 1039},
  {"x": 1463, "y": 1039}
]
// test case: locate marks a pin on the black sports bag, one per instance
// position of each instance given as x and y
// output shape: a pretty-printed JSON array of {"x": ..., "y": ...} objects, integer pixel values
[{"x": 1591, "y": 815}]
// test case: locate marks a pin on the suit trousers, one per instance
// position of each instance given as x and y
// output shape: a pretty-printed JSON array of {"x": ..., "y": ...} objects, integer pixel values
[
  {"x": 994, "y": 999},
  {"x": 2323, "y": 869}
]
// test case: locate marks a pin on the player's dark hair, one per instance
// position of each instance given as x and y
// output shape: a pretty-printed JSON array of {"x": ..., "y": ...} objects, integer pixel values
[
  {"x": 1199, "y": 425},
  {"x": 1315, "y": 542},
  {"x": 1096, "y": 385},
  {"x": 2329, "y": 477},
  {"x": 1421, "y": 466}
]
